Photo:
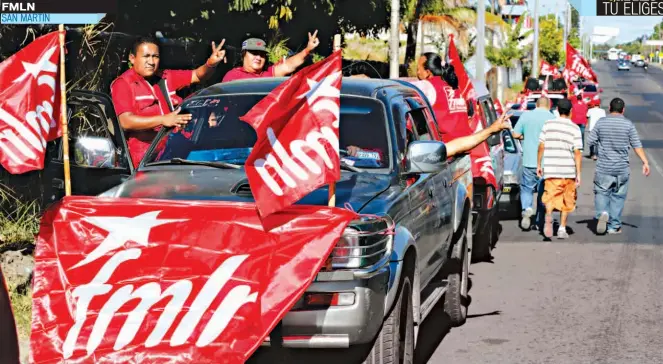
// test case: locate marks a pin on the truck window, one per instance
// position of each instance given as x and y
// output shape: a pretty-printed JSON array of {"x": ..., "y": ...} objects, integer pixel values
[
  {"x": 488, "y": 111},
  {"x": 421, "y": 125}
]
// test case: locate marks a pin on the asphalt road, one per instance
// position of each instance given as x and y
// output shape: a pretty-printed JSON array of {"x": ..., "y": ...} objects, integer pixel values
[{"x": 588, "y": 299}]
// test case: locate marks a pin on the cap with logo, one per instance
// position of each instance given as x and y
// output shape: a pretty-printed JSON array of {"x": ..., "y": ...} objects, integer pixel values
[{"x": 254, "y": 44}]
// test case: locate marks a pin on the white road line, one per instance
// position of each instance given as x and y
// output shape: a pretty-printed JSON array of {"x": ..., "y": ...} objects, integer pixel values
[{"x": 653, "y": 162}]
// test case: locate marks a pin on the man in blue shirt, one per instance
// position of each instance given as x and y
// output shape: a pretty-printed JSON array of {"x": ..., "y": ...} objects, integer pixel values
[{"x": 528, "y": 129}]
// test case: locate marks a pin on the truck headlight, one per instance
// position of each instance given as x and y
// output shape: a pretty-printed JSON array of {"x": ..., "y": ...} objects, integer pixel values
[{"x": 363, "y": 244}]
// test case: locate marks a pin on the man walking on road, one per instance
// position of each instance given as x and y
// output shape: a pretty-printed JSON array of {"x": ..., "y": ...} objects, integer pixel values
[
  {"x": 579, "y": 114},
  {"x": 528, "y": 129},
  {"x": 559, "y": 162},
  {"x": 614, "y": 135}
]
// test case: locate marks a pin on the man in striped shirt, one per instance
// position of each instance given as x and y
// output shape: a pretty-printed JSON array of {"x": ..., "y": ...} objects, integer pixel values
[
  {"x": 614, "y": 135},
  {"x": 559, "y": 160}
]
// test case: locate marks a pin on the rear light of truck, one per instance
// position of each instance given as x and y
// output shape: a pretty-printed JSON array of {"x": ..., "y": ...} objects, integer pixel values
[{"x": 322, "y": 300}]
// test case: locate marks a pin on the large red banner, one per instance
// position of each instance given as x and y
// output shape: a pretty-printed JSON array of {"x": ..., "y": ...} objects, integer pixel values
[
  {"x": 297, "y": 124},
  {"x": 464, "y": 81},
  {"x": 29, "y": 104},
  {"x": 577, "y": 65},
  {"x": 156, "y": 281}
]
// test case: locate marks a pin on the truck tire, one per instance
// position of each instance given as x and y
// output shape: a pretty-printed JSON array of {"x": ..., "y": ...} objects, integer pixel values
[
  {"x": 395, "y": 342},
  {"x": 455, "y": 299},
  {"x": 482, "y": 246}
]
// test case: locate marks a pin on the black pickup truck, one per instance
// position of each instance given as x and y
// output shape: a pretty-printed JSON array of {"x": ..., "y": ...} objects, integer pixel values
[{"x": 385, "y": 287}]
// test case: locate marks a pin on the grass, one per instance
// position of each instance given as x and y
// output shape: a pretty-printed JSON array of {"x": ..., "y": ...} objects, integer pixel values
[
  {"x": 21, "y": 300},
  {"x": 511, "y": 93},
  {"x": 369, "y": 49},
  {"x": 19, "y": 221}
]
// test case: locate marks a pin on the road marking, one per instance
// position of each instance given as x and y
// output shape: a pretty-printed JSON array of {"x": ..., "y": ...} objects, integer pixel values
[{"x": 657, "y": 167}]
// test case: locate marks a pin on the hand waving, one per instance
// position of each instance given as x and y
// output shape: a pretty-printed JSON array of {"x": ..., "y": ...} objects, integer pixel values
[
  {"x": 218, "y": 54},
  {"x": 313, "y": 41}
]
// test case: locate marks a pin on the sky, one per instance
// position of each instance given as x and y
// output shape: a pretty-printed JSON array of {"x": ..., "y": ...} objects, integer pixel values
[{"x": 630, "y": 27}]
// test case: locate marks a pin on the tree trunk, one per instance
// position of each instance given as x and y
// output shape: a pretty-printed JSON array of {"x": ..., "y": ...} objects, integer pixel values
[{"x": 412, "y": 28}]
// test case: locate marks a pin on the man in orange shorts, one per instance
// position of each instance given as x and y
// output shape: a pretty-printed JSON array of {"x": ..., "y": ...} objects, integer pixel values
[{"x": 559, "y": 162}]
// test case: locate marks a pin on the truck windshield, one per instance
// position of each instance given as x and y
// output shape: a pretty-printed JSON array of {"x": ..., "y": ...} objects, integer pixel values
[{"x": 216, "y": 134}]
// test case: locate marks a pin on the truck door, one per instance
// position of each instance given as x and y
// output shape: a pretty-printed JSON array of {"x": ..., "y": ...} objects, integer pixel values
[
  {"x": 98, "y": 153},
  {"x": 438, "y": 198},
  {"x": 497, "y": 149}
]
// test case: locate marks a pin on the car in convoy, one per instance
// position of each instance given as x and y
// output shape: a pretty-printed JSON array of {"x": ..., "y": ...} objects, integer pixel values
[
  {"x": 553, "y": 96},
  {"x": 375, "y": 289},
  {"x": 590, "y": 91},
  {"x": 485, "y": 209},
  {"x": 640, "y": 63},
  {"x": 623, "y": 65},
  {"x": 509, "y": 203}
]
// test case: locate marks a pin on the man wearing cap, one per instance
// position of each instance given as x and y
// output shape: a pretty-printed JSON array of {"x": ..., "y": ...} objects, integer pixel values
[{"x": 254, "y": 57}]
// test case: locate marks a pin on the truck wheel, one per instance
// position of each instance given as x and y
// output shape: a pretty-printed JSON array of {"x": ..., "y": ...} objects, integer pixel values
[
  {"x": 395, "y": 342},
  {"x": 455, "y": 299},
  {"x": 482, "y": 246}
]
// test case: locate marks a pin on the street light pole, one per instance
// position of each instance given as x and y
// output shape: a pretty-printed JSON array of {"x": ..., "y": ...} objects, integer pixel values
[
  {"x": 394, "y": 39},
  {"x": 481, "y": 41},
  {"x": 566, "y": 23},
  {"x": 535, "y": 49}
]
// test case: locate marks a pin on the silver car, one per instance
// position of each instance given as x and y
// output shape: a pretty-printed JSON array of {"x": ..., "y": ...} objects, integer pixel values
[{"x": 509, "y": 203}]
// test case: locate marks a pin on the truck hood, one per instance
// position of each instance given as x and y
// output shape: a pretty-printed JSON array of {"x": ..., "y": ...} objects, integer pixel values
[{"x": 231, "y": 185}]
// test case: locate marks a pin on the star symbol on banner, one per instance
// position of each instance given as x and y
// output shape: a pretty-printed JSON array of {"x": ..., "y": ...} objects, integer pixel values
[
  {"x": 122, "y": 229},
  {"x": 43, "y": 64},
  {"x": 322, "y": 88}
]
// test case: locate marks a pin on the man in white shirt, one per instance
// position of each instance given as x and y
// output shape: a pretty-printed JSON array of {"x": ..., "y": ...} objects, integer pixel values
[
  {"x": 594, "y": 114},
  {"x": 559, "y": 163}
]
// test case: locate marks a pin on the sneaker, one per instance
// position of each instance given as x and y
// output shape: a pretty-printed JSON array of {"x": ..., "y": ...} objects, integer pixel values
[
  {"x": 562, "y": 233},
  {"x": 548, "y": 227},
  {"x": 526, "y": 221},
  {"x": 602, "y": 224},
  {"x": 615, "y": 231}
]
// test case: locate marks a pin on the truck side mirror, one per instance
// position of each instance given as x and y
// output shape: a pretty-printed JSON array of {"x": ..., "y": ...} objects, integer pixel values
[
  {"x": 425, "y": 156},
  {"x": 95, "y": 152},
  {"x": 494, "y": 140}
]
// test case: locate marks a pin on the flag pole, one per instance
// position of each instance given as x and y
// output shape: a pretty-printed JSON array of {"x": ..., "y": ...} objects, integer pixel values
[
  {"x": 63, "y": 116},
  {"x": 332, "y": 186}
]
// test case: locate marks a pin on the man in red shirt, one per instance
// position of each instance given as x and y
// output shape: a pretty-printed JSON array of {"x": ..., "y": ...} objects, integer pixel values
[
  {"x": 254, "y": 56},
  {"x": 139, "y": 103},
  {"x": 579, "y": 113}
]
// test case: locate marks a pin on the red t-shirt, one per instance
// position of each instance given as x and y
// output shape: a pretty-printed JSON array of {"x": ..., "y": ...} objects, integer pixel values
[
  {"x": 132, "y": 93},
  {"x": 579, "y": 111},
  {"x": 239, "y": 73}
]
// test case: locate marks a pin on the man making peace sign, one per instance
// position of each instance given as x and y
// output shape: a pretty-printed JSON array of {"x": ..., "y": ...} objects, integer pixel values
[
  {"x": 254, "y": 57},
  {"x": 139, "y": 103}
]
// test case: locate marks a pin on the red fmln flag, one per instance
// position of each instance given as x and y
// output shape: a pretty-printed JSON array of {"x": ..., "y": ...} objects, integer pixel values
[
  {"x": 297, "y": 128},
  {"x": 157, "y": 281},
  {"x": 578, "y": 65},
  {"x": 29, "y": 104},
  {"x": 464, "y": 82},
  {"x": 547, "y": 69}
]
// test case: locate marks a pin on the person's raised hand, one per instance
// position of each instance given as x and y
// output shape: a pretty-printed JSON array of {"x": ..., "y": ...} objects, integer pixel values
[
  {"x": 218, "y": 54},
  {"x": 501, "y": 123},
  {"x": 176, "y": 119},
  {"x": 313, "y": 41}
]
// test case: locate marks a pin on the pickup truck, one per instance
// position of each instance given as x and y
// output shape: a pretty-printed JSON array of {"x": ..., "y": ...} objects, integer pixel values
[{"x": 377, "y": 290}]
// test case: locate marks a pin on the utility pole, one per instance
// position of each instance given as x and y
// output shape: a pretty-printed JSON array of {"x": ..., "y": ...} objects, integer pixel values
[
  {"x": 535, "y": 49},
  {"x": 394, "y": 39},
  {"x": 479, "y": 55},
  {"x": 566, "y": 23}
]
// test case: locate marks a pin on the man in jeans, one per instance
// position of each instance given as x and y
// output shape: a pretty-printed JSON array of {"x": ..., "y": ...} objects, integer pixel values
[
  {"x": 528, "y": 129},
  {"x": 614, "y": 135}
]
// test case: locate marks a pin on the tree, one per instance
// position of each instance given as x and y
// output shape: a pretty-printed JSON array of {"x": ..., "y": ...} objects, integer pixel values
[
  {"x": 511, "y": 51},
  {"x": 550, "y": 38}
]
